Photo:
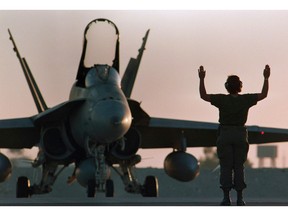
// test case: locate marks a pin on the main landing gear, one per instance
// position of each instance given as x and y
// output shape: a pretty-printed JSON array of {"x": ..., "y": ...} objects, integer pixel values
[
  {"x": 148, "y": 189},
  {"x": 125, "y": 171},
  {"x": 23, "y": 187},
  {"x": 94, "y": 174}
]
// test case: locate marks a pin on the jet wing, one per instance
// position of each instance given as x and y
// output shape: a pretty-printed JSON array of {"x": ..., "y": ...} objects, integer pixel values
[
  {"x": 58, "y": 112},
  {"x": 18, "y": 133},
  {"x": 167, "y": 133},
  {"x": 25, "y": 132}
]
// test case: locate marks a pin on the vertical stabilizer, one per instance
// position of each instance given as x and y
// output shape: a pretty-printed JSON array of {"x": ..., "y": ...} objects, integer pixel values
[
  {"x": 131, "y": 71},
  {"x": 37, "y": 96}
]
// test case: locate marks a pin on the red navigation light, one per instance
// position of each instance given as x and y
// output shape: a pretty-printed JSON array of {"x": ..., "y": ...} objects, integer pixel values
[{"x": 262, "y": 132}]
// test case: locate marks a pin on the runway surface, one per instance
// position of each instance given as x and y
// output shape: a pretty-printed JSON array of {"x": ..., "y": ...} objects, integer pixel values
[
  {"x": 136, "y": 201},
  {"x": 266, "y": 187}
]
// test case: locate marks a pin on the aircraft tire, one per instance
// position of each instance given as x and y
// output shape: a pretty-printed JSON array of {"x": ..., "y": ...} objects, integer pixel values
[
  {"x": 150, "y": 187},
  {"x": 91, "y": 188},
  {"x": 23, "y": 187},
  {"x": 109, "y": 188}
]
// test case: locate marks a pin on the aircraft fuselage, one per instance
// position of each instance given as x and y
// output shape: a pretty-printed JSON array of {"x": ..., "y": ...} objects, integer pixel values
[{"x": 105, "y": 116}]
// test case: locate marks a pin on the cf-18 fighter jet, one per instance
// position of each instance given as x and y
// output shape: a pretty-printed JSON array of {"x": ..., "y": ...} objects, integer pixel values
[{"x": 100, "y": 127}]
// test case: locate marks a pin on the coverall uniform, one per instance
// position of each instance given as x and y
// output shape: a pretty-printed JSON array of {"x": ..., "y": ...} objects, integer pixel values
[{"x": 232, "y": 142}]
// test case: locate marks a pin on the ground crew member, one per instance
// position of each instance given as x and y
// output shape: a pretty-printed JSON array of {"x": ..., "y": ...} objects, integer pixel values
[{"x": 232, "y": 142}]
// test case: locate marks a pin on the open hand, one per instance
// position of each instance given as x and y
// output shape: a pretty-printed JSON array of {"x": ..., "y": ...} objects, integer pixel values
[
  {"x": 266, "y": 72},
  {"x": 201, "y": 72}
]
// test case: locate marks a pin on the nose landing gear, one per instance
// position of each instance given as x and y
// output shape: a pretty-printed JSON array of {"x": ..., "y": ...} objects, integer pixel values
[{"x": 109, "y": 188}]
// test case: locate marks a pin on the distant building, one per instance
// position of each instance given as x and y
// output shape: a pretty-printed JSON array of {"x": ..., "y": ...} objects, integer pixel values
[{"x": 270, "y": 152}]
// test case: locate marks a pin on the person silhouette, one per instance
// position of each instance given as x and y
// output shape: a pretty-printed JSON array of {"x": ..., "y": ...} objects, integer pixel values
[{"x": 232, "y": 141}]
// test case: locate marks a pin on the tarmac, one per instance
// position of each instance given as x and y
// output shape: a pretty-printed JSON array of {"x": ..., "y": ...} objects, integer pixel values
[
  {"x": 266, "y": 188},
  {"x": 136, "y": 201}
]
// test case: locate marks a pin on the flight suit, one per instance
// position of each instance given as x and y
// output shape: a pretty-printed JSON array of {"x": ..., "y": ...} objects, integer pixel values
[
  {"x": 232, "y": 142},
  {"x": 232, "y": 150}
]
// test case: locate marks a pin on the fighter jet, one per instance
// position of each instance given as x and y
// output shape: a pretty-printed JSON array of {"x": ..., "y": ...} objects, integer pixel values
[{"x": 101, "y": 128}]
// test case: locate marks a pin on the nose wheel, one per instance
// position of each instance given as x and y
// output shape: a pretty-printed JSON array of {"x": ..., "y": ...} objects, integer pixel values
[
  {"x": 92, "y": 188},
  {"x": 109, "y": 188}
]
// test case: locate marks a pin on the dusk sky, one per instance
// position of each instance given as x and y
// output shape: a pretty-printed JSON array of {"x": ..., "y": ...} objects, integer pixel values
[{"x": 225, "y": 42}]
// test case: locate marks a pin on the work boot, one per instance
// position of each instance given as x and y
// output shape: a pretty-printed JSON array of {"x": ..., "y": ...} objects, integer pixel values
[
  {"x": 226, "y": 200},
  {"x": 240, "y": 201}
]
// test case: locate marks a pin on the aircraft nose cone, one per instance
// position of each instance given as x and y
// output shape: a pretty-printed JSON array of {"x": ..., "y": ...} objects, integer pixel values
[{"x": 110, "y": 120}]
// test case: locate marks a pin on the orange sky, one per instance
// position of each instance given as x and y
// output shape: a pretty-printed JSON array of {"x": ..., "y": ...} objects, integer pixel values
[{"x": 224, "y": 42}]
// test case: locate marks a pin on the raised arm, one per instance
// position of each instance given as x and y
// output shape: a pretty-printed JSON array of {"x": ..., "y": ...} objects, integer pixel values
[
  {"x": 265, "y": 88},
  {"x": 202, "y": 89}
]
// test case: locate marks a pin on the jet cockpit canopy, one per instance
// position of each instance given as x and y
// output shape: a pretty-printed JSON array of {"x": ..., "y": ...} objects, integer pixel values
[{"x": 100, "y": 47}]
